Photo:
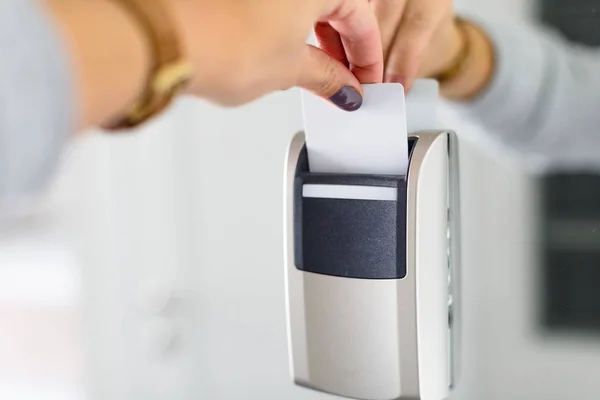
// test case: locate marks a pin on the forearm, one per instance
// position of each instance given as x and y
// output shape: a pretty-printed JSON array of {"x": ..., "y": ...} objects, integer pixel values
[
  {"x": 508, "y": 101},
  {"x": 108, "y": 55},
  {"x": 543, "y": 95}
]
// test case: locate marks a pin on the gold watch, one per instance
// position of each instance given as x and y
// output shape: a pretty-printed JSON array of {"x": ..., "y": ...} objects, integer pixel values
[{"x": 170, "y": 71}]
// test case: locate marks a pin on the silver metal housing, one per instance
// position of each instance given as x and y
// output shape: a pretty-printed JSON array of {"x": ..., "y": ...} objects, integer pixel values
[{"x": 384, "y": 339}]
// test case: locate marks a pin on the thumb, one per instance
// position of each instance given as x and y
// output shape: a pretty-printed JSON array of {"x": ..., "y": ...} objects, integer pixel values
[{"x": 329, "y": 78}]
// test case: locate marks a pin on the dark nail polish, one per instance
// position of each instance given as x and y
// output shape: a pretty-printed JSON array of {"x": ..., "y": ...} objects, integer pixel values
[{"x": 347, "y": 98}]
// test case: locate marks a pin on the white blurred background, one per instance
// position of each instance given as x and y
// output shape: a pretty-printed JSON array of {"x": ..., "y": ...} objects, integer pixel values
[{"x": 154, "y": 268}]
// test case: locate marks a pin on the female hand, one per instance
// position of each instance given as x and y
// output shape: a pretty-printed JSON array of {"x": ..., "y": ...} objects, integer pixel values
[
  {"x": 243, "y": 49},
  {"x": 239, "y": 50},
  {"x": 420, "y": 38}
]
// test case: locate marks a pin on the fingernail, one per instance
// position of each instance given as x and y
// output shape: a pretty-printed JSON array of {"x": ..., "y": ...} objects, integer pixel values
[{"x": 347, "y": 98}]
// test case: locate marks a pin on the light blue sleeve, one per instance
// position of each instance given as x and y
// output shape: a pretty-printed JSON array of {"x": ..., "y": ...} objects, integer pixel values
[
  {"x": 545, "y": 96},
  {"x": 36, "y": 99}
]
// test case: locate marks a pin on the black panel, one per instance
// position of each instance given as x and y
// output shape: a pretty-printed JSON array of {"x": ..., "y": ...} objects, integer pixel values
[
  {"x": 578, "y": 20},
  {"x": 363, "y": 239},
  {"x": 571, "y": 252},
  {"x": 571, "y": 210},
  {"x": 573, "y": 196},
  {"x": 352, "y": 238},
  {"x": 573, "y": 294}
]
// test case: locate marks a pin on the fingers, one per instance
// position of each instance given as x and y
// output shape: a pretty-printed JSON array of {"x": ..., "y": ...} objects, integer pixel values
[
  {"x": 388, "y": 14},
  {"x": 328, "y": 39},
  {"x": 419, "y": 22},
  {"x": 329, "y": 78},
  {"x": 357, "y": 26}
]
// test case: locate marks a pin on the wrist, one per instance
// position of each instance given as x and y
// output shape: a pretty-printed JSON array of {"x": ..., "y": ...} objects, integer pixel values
[
  {"x": 108, "y": 53},
  {"x": 450, "y": 55},
  {"x": 197, "y": 39},
  {"x": 472, "y": 76},
  {"x": 170, "y": 70}
]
